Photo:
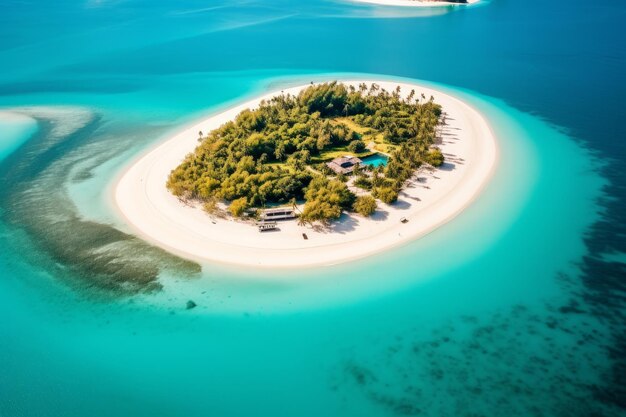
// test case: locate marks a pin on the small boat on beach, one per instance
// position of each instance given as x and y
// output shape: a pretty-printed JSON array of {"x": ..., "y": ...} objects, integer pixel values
[{"x": 265, "y": 226}]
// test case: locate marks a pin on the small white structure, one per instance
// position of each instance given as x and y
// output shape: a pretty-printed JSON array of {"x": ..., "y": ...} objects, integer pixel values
[
  {"x": 265, "y": 226},
  {"x": 279, "y": 213}
]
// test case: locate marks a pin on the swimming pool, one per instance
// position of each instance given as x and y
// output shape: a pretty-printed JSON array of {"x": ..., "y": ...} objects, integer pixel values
[{"x": 375, "y": 160}]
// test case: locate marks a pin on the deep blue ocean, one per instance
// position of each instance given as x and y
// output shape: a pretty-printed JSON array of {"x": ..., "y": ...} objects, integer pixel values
[{"x": 517, "y": 307}]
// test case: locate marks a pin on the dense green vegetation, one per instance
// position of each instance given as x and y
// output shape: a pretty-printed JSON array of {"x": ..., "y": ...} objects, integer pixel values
[
  {"x": 325, "y": 199},
  {"x": 365, "y": 205},
  {"x": 275, "y": 153}
]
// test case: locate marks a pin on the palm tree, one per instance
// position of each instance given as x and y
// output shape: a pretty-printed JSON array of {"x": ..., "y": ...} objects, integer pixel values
[
  {"x": 294, "y": 205},
  {"x": 301, "y": 220},
  {"x": 411, "y": 95},
  {"x": 397, "y": 92}
]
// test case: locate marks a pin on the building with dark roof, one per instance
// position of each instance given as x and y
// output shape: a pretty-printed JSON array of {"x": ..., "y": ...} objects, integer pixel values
[{"x": 344, "y": 164}]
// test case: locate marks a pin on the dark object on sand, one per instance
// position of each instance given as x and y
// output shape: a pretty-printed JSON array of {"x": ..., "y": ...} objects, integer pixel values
[
  {"x": 404, "y": 220},
  {"x": 305, "y": 236},
  {"x": 191, "y": 304}
]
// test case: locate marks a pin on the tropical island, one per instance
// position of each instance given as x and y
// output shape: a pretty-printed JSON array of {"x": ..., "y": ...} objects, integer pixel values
[
  {"x": 310, "y": 147},
  {"x": 418, "y": 3},
  {"x": 366, "y": 165}
]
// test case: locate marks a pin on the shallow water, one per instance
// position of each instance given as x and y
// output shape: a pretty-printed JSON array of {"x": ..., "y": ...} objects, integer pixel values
[
  {"x": 513, "y": 308},
  {"x": 15, "y": 129}
]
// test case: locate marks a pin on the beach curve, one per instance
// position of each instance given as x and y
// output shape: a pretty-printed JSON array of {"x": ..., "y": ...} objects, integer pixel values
[{"x": 146, "y": 206}]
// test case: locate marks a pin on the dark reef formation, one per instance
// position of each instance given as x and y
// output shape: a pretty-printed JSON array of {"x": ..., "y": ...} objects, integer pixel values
[
  {"x": 88, "y": 255},
  {"x": 533, "y": 361}
]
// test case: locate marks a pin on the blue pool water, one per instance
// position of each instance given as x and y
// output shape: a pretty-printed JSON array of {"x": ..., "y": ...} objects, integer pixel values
[
  {"x": 515, "y": 308},
  {"x": 375, "y": 160}
]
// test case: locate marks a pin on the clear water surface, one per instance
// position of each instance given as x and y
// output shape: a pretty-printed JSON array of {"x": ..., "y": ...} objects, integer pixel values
[
  {"x": 515, "y": 308},
  {"x": 376, "y": 160}
]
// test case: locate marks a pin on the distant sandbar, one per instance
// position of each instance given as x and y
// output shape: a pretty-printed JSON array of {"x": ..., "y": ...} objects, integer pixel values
[{"x": 416, "y": 3}]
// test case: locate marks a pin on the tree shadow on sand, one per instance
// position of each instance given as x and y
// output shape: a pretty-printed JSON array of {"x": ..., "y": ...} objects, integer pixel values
[
  {"x": 401, "y": 204},
  {"x": 380, "y": 215},
  {"x": 344, "y": 224},
  {"x": 447, "y": 166}
]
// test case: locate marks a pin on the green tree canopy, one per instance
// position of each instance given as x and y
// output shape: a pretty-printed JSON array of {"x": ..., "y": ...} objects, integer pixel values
[
  {"x": 325, "y": 199},
  {"x": 365, "y": 205},
  {"x": 238, "y": 206},
  {"x": 267, "y": 155},
  {"x": 387, "y": 195}
]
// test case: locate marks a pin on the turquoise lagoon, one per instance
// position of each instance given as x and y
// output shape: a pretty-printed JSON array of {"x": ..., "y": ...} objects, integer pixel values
[
  {"x": 493, "y": 314},
  {"x": 16, "y": 129}
]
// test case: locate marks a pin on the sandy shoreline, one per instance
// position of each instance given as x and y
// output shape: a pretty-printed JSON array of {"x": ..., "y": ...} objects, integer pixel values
[
  {"x": 414, "y": 3},
  {"x": 142, "y": 200}
]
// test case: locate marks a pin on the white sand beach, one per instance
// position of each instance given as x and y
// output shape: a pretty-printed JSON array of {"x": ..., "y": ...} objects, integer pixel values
[
  {"x": 431, "y": 199},
  {"x": 415, "y": 3}
]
